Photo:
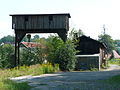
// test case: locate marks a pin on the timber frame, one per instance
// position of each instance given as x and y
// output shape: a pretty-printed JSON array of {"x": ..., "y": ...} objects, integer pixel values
[{"x": 38, "y": 23}]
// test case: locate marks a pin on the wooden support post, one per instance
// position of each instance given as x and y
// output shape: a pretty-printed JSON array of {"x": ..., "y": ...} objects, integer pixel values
[
  {"x": 18, "y": 37},
  {"x": 18, "y": 53},
  {"x": 15, "y": 62}
]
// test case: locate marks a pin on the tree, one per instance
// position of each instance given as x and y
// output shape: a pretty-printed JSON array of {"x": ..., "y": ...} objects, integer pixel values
[
  {"x": 27, "y": 57},
  {"x": 36, "y": 37},
  {"x": 53, "y": 42},
  {"x": 108, "y": 41},
  {"x": 75, "y": 33},
  {"x": 6, "y": 56},
  {"x": 36, "y": 55},
  {"x": 117, "y": 43},
  {"x": 41, "y": 50},
  {"x": 65, "y": 56},
  {"x": 62, "y": 53},
  {"x": 7, "y": 39}
]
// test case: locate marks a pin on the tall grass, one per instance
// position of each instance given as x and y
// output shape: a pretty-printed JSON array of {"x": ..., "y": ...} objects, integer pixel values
[
  {"x": 38, "y": 69},
  {"x": 114, "y": 61}
]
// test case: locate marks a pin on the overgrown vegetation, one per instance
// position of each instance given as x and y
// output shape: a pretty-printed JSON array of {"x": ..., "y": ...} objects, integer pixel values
[
  {"x": 6, "y": 84},
  {"x": 108, "y": 41},
  {"x": 62, "y": 53},
  {"x": 6, "y": 56}
]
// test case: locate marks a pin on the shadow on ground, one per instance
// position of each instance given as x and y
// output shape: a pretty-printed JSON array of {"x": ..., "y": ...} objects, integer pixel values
[{"x": 71, "y": 81}]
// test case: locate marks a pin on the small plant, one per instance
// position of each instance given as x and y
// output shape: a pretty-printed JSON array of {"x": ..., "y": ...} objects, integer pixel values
[{"x": 94, "y": 69}]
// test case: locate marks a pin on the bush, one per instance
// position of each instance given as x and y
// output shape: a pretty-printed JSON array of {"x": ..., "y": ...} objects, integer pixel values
[
  {"x": 62, "y": 53},
  {"x": 32, "y": 56},
  {"x": 6, "y": 56}
]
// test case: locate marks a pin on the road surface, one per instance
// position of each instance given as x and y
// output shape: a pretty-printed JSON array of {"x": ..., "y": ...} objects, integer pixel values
[{"x": 73, "y": 80}]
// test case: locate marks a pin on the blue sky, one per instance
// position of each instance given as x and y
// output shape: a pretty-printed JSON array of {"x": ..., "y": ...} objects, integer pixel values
[{"x": 88, "y": 15}]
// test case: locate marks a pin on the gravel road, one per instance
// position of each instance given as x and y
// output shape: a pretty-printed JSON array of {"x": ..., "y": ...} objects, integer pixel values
[{"x": 73, "y": 80}]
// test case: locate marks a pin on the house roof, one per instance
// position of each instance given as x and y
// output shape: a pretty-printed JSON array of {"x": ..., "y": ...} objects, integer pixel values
[
  {"x": 86, "y": 38},
  {"x": 116, "y": 55},
  {"x": 30, "y": 44},
  {"x": 87, "y": 45}
]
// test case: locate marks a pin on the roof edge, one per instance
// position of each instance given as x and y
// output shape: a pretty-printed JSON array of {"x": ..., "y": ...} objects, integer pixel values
[{"x": 68, "y": 14}]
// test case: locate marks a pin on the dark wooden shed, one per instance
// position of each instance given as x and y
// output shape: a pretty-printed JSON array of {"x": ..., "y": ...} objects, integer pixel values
[
  {"x": 39, "y": 23},
  {"x": 92, "y": 53},
  {"x": 88, "y": 46}
]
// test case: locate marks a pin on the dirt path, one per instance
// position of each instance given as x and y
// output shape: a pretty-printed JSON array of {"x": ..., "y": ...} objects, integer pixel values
[{"x": 73, "y": 80}]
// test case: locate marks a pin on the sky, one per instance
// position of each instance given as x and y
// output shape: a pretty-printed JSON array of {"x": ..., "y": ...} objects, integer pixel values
[{"x": 87, "y": 15}]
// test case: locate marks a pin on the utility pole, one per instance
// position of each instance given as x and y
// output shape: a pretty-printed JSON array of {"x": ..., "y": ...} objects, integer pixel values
[{"x": 104, "y": 29}]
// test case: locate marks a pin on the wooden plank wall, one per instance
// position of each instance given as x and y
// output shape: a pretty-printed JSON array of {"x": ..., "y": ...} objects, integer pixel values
[
  {"x": 87, "y": 63},
  {"x": 41, "y": 22}
]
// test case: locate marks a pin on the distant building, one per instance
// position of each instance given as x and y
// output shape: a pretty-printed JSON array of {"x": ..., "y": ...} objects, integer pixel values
[
  {"x": 29, "y": 44},
  {"x": 92, "y": 53},
  {"x": 116, "y": 55}
]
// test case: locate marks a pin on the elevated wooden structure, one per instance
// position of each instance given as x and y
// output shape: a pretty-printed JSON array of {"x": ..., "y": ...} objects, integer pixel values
[{"x": 38, "y": 23}]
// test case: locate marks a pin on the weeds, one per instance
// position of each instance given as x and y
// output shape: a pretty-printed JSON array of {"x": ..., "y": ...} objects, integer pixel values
[{"x": 38, "y": 69}]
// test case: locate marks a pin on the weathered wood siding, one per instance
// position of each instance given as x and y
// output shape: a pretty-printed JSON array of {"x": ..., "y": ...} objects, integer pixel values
[
  {"x": 41, "y": 22},
  {"x": 87, "y": 62}
]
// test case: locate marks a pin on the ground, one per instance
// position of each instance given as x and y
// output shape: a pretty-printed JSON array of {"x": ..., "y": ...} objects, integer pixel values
[{"x": 86, "y": 80}]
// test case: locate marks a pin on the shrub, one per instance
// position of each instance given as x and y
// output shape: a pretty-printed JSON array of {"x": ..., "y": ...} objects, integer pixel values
[
  {"x": 65, "y": 56},
  {"x": 62, "y": 53},
  {"x": 6, "y": 56}
]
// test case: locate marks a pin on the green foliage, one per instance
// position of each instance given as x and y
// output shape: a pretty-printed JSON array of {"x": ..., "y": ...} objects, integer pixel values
[
  {"x": 108, "y": 41},
  {"x": 37, "y": 69},
  {"x": 41, "y": 51},
  {"x": 113, "y": 80},
  {"x": 117, "y": 43},
  {"x": 61, "y": 53},
  {"x": 75, "y": 33},
  {"x": 6, "y": 56},
  {"x": 31, "y": 56},
  {"x": 114, "y": 61},
  {"x": 26, "y": 57},
  {"x": 53, "y": 43},
  {"x": 11, "y": 85},
  {"x": 35, "y": 37},
  {"x": 7, "y": 39},
  {"x": 65, "y": 56},
  {"x": 50, "y": 49}
]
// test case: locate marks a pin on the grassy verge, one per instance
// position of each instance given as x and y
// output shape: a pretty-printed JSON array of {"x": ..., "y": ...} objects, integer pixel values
[
  {"x": 6, "y": 84},
  {"x": 113, "y": 80}
]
